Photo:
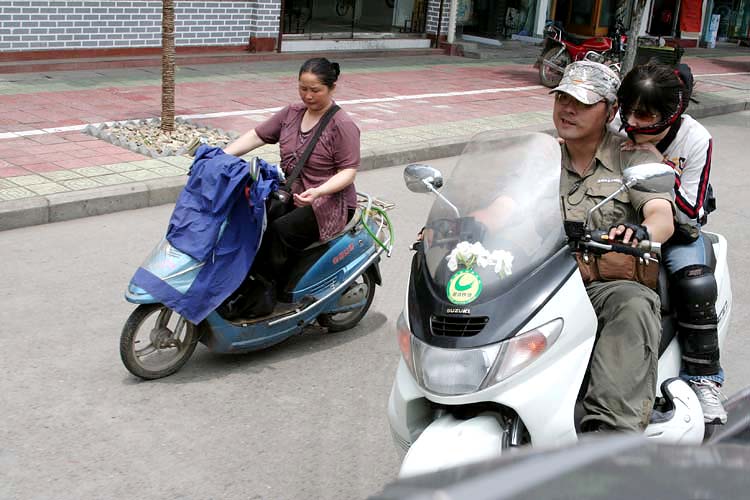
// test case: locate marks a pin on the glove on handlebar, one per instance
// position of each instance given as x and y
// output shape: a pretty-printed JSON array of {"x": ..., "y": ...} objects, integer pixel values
[{"x": 640, "y": 232}]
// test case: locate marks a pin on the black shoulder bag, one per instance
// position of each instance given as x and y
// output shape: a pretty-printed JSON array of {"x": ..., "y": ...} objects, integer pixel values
[{"x": 281, "y": 202}]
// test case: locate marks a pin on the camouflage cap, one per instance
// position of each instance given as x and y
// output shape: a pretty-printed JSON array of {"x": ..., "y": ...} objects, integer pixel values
[{"x": 589, "y": 82}]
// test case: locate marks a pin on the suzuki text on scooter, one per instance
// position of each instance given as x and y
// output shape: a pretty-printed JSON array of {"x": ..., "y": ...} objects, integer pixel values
[
  {"x": 333, "y": 283},
  {"x": 560, "y": 48},
  {"x": 497, "y": 328}
]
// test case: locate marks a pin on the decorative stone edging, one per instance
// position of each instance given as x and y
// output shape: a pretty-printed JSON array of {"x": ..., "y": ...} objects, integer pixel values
[{"x": 145, "y": 136}]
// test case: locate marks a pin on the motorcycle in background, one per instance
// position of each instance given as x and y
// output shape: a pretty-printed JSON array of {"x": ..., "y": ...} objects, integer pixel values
[{"x": 561, "y": 48}]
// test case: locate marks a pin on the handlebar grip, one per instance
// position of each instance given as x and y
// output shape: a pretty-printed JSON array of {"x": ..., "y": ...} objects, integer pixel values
[
  {"x": 644, "y": 246},
  {"x": 627, "y": 249}
]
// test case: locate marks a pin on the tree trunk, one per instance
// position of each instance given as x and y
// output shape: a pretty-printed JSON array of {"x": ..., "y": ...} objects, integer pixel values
[
  {"x": 167, "y": 66},
  {"x": 635, "y": 23}
]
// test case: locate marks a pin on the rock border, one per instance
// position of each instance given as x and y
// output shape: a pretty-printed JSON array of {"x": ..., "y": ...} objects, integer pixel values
[{"x": 105, "y": 131}]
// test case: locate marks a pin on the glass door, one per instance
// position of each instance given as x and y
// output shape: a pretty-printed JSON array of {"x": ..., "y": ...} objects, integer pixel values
[{"x": 330, "y": 19}]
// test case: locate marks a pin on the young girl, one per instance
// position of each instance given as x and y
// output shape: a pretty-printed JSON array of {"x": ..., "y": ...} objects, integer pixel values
[{"x": 653, "y": 99}]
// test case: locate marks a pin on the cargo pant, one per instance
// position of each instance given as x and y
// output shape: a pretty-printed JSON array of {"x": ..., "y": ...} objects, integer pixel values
[{"x": 622, "y": 385}]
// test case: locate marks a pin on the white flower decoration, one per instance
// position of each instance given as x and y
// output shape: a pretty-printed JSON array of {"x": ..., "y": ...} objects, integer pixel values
[
  {"x": 503, "y": 261},
  {"x": 468, "y": 254}
]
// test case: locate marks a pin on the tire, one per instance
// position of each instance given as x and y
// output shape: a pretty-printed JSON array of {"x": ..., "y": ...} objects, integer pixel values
[
  {"x": 338, "y": 322},
  {"x": 175, "y": 344},
  {"x": 549, "y": 76}
]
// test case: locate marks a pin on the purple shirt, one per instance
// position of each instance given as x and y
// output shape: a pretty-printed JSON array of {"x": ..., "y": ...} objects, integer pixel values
[{"x": 337, "y": 149}]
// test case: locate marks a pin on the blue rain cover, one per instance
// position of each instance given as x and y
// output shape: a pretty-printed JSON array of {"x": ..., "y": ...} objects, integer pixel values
[{"x": 215, "y": 190}]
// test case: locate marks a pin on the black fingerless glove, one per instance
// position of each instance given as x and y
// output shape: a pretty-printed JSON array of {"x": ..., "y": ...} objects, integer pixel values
[{"x": 640, "y": 232}]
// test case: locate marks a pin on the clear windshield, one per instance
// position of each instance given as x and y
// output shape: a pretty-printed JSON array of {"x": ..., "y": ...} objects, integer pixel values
[{"x": 505, "y": 219}]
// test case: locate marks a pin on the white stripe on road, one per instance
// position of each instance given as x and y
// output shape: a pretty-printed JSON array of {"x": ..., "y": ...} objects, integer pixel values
[{"x": 222, "y": 114}]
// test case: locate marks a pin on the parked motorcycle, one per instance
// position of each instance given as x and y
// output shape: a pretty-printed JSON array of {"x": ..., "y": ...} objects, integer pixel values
[
  {"x": 497, "y": 328},
  {"x": 333, "y": 283},
  {"x": 560, "y": 48}
]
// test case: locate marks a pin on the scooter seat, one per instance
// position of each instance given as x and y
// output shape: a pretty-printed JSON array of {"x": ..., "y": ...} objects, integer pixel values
[
  {"x": 349, "y": 226},
  {"x": 708, "y": 244}
]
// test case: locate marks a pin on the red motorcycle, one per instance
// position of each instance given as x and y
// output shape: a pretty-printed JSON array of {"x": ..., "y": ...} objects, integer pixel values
[{"x": 561, "y": 48}]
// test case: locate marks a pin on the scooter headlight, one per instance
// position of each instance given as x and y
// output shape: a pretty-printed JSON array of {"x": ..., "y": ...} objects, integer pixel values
[
  {"x": 452, "y": 372},
  {"x": 520, "y": 351}
]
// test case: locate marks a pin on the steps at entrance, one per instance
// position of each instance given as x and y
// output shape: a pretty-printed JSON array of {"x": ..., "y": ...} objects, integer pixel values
[{"x": 508, "y": 50}]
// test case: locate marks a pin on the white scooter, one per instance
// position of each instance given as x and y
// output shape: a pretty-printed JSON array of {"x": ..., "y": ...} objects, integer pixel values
[{"x": 497, "y": 328}]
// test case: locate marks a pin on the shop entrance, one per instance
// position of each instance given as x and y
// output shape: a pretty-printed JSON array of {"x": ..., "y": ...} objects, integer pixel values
[
  {"x": 495, "y": 19},
  {"x": 663, "y": 19},
  {"x": 321, "y": 19}
]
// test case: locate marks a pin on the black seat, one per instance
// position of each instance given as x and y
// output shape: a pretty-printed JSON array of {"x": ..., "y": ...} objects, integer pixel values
[
  {"x": 708, "y": 244},
  {"x": 575, "y": 39}
]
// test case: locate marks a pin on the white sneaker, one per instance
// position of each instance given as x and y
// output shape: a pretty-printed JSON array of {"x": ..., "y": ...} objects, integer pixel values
[{"x": 710, "y": 398}]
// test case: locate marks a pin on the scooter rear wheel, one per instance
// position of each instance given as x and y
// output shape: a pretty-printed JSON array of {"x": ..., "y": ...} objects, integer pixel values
[
  {"x": 363, "y": 288},
  {"x": 159, "y": 350},
  {"x": 549, "y": 76}
]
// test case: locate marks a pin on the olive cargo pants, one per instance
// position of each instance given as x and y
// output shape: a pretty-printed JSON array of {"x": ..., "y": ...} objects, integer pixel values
[{"x": 623, "y": 365}]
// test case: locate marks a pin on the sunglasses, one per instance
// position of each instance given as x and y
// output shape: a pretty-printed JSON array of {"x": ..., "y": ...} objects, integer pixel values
[{"x": 640, "y": 114}]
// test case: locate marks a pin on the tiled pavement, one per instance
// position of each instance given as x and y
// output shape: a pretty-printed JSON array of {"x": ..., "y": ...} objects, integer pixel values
[{"x": 408, "y": 108}]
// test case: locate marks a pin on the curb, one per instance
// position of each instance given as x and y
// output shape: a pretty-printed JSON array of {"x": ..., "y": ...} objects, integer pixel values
[{"x": 59, "y": 207}]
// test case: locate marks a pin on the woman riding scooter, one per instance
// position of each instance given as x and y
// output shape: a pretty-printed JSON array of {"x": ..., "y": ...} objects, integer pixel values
[
  {"x": 653, "y": 99},
  {"x": 324, "y": 195}
]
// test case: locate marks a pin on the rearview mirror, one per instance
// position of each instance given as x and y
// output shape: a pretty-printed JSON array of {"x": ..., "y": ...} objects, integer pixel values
[
  {"x": 649, "y": 177},
  {"x": 422, "y": 178}
]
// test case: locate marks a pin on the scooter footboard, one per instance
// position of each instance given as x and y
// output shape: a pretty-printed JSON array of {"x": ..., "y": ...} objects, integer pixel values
[{"x": 448, "y": 442}]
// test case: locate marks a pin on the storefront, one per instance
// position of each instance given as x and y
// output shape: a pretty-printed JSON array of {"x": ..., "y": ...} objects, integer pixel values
[
  {"x": 585, "y": 17},
  {"x": 734, "y": 20},
  {"x": 675, "y": 18},
  {"x": 320, "y": 19},
  {"x": 495, "y": 19}
]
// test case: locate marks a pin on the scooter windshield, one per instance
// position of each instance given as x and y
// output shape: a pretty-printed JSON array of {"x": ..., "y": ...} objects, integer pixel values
[{"x": 500, "y": 218}]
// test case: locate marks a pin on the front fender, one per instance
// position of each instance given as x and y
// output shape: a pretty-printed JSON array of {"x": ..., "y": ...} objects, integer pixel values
[{"x": 448, "y": 442}]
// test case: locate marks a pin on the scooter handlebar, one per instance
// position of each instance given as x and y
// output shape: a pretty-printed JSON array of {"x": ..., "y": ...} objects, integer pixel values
[{"x": 644, "y": 248}]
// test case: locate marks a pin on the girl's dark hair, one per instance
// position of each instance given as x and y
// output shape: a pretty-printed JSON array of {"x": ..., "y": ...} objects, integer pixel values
[
  {"x": 656, "y": 88},
  {"x": 326, "y": 71}
]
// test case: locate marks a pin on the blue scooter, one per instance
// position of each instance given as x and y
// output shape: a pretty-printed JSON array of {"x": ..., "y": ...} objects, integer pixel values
[{"x": 336, "y": 286}]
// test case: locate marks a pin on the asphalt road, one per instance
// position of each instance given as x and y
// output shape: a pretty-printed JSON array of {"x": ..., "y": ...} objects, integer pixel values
[{"x": 305, "y": 419}]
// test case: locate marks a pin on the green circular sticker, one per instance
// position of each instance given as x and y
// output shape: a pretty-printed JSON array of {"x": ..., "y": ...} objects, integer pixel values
[{"x": 464, "y": 287}]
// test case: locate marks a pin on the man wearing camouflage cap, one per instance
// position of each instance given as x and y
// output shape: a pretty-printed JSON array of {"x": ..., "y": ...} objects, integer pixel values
[{"x": 622, "y": 385}]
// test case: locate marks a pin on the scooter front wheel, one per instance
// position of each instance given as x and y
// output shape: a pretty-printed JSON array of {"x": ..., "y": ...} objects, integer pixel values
[
  {"x": 359, "y": 295},
  {"x": 156, "y": 342}
]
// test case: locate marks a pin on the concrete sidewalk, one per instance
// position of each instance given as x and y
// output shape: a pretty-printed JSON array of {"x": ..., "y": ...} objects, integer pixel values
[{"x": 409, "y": 108}]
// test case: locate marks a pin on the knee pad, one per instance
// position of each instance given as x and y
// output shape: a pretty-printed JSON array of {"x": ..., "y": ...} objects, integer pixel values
[{"x": 694, "y": 290}]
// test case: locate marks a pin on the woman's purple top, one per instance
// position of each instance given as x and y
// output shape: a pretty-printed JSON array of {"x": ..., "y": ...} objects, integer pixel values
[{"x": 337, "y": 149}]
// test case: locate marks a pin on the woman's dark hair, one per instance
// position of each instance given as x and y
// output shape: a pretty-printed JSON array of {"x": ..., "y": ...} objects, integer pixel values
[
  {"x": 326, "y": 71},
  {"x": 656, "y": 88}
]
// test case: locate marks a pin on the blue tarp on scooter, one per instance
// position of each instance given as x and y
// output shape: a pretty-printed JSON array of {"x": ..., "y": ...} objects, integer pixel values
[{"x": 215, "y": 190}]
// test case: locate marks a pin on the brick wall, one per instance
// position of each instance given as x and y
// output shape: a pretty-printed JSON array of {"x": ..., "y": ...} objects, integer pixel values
[
  {"x": 36, "y": 25},
  {"x": 433, "y": 12}
]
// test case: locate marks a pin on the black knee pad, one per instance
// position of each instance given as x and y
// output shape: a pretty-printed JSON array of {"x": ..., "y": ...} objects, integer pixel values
[{"x": 694, "y": 290}]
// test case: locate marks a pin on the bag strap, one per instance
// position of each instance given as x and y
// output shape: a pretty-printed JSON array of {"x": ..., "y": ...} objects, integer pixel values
[{"x": 314, "y": 140}]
